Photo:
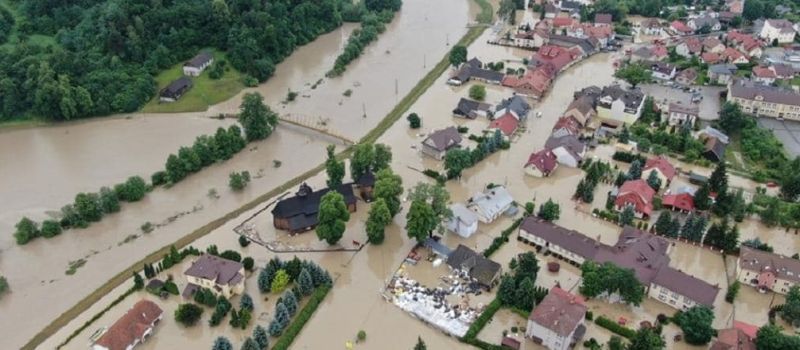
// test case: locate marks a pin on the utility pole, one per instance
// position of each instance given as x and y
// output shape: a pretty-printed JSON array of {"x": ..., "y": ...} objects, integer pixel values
[{"x": 364, "y": 108}]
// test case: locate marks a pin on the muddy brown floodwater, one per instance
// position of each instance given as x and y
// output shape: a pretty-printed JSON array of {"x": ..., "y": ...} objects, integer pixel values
[{"x": 43, "y": 168}]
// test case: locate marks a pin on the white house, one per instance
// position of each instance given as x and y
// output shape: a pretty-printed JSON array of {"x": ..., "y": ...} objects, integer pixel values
[
  {"x": 680, "y": 113},
  {"x": 569, "y": 150},
  {"x": 490, "y": 203},
  {"x": 222, "y": 276},
  {"x": 198, "y": 64},
  {"x": 557, "y": 323},
  {"x": 777, "y": 29},
  {"x": 464, "y": 221}
]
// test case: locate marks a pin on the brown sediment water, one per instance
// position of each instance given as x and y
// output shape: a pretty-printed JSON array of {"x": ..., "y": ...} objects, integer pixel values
[
  {"x": 412, "y": 44},
  {"x": 355, "y": 302}
]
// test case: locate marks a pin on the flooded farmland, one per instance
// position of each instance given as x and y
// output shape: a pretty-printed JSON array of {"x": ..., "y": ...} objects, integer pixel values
[{"x": 103, "y": 157}]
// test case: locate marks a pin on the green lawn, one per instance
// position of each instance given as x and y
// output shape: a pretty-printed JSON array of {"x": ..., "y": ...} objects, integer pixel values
[{"x": 204, "y": 93}]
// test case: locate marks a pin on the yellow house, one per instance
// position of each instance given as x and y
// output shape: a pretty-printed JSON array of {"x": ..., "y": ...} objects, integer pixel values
[{"x": 222, "y": 276}]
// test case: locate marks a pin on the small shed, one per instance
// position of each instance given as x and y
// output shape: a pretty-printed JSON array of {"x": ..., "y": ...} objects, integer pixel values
[
  {"x": 175, "y": 89},
  {"x": 365, "y": 184},
  {"x": 510, "y": 343}
]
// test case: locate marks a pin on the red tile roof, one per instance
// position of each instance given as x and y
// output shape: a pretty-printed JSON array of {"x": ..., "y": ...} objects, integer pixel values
[
  {"x": 694, "y": 45},
  {"x": 680, "y": 27},
  {"x": 710, "y": 57},
  {"x": 544, "y": 160},
  {"x": 562, "y": 22},
  {"x": 764, "y": 72},
  {"x": 682, "y": 201},
  {"x": 734, "y": 339},
  {"x": 560, "y": 312},
  {"x": 637, "y": 193},
  {"x": 569, "y": 123},
  {"x": 558, "y": 56},
  {"x": 660, "y": 51},
  {"x": 732, "y": 55},
  {"x": 662, "y": 164},
  {"x": 507, "y": 124},
  {"x": 131, "y": 326}
]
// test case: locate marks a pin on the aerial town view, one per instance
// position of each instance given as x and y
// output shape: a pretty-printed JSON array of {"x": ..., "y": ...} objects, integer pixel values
[{"x": 400, "y": 174}]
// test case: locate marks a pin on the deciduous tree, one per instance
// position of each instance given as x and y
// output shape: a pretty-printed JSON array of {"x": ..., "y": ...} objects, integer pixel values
[
  {"x": 333, "y": 216},
  {"x": 549, "y": 210},
  {"x": 188, "y": 314},
  {"x": 379, "y": 217},
  {"x": 458, "y": 55},
  {"x": 389, "y": 187},
  {"x": 334, "y": 168},
  {"x": 420, "y": 221},
  {"x": 256, "y": 118},
  {"x": 634, "y": 74},
  {"x": 696, "y": 324}
]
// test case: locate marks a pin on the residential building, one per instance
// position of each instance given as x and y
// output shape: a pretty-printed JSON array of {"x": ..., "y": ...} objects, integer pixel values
[
  {"x": 734, "y": 56},
  {"x": 550, "y": 10},
  {"x": 566, "y": 126},
  {"x": 464, "y": 222},
  {"x": 472, "y": 109},
  {"x": 484, "y": 271},
  {"x": 741, "y": 336},
  {"x": 603, "y": 19},
  {"x": 710, "y": 58},
  {"x": 198, "y": 64},
  {"x": 582, "y": 109},
  {"x": 735, "y": 6},
  {"x": 708, "y": 22},
  {"x": 652, "y": 26},
  {"x": 682, "y": 202},
  {"x": 680, "y": 28},
  {"x": 649, "y": 53},
  {"x": 712, "y": 44},
  {"x": 687, "y": 76},
  {"x": 636, "y": 194},
  {"x": 534, "y": 83},
  {"x": 515, "y": 105},
  {"x": 745, "y": 43},
  {"x": 680, "y": 113},
  {"x": 783, "y": 71},
  {"x": 681, "y": 291},
  {"x": 221, "y": 276},
  {"x": 618, "y": 104},
  {"x": 766, "y": 101},
  {"x": 175, "y": 89},
  {"x": 764, "y": 75},
  {"x": 557, "y": 323},
  {"x": 569, "y": 6},
  {"x": 440, "y": 141},
  {"x": 663, "y": 168},
  {"x": 569, "y": 150},
  {"x": 689, "y": 47},
  {"x": 662, "y": 70},
  {"x": 541, "y": 163},
  {"x": 299, "y": 213},
  {"x": 507, "y": 124},
  {"x": 777, "y": 30},
  {"x": 714, "y": 149},
  {"x": 767, "y": 271},
  {"x": 721, "y": 73},
  {"x": 644, "y": 253},
  {"x": 559, "y": 57},
  {"x": 132, "y": 329},
  {"x": 708, "y": 131},
  {"x": 491, "y": 203},
  {"x": 473, "y": 70}
]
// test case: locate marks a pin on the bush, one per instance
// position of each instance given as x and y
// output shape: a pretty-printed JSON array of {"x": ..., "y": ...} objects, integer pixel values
[
  {"x": 291, "y": 96},
  {"x": 238, "y": 180},
  {"x": 463, "y": 129},
  {"x": 243, "y": 241},
  {"x": 414, "y": 121},
  {"x": 362, "y": 335},
  {"x": 171, "y": 288},
  {"x": 477, "y": 92},
  {"x": 188, "y": 314},
  {"x": 733, "y": 290},
  {"x": 3, "y": 286},
  {"x": 628, "y": 157},
  {"x": 482, "y": 320},
  {"x": 50, "y": 228},
  {"x": 159, "y": 178},
  {"x": 147, "y": 227},
  {"x": 615, "y": 327},
  {"x": 497, "y": 242},
  {"x": 589, "y": 315},
  {"x": 248, "y": 263},
  {"x": 303, "y": 316},
  {"x": 249, "y": 81},
  {"x": 132, "y": 190}
]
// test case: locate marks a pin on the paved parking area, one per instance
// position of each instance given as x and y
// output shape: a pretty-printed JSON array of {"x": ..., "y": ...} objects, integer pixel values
[
  {"x": 785, "y": 130},
  {"x": 709, "y": 106}
]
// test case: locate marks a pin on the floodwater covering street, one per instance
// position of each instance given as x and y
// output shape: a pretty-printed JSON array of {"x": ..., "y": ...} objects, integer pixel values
[{"x": 103, "y": 155}]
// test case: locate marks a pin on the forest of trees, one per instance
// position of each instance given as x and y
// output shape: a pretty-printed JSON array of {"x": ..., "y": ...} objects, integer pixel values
[{"x": 107, "y": 52}]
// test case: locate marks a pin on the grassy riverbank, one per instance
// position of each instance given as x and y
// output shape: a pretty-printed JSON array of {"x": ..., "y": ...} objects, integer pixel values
[
  {"x": 204, "y": 93},
  {"x": 373, "y": 135}
]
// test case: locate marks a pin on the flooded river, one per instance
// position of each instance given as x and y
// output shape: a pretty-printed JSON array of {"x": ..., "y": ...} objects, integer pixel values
[{"x": 43, "y": 168}]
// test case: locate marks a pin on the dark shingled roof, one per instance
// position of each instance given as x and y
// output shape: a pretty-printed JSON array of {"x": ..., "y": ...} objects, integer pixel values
[
  {"x": 479, "y": 267},
  {"x": 750, "y": 91},
  {"x": 442, "y": 140},
  {"x": 466, "y": 108},
  {"x": 199, "y": 60},
  {"x": 176, "y": 88},
  {"x": 301, "y": 210},
  {"x": 759, "y": 261},
  {"x": 220, "y": 270},
  {"x": 686, "y": 285},
  {"x": 573, "y": 241}
]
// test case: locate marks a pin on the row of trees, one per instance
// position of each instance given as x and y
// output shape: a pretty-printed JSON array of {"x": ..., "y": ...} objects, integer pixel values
[
  {"x": 458, "y": 159},
  {"x": 106, "y": 53},
  {"x": 596, "y": 171},
  {"x": 277, "y": 275},
  {"x": 373, "y": 23},
  {"x": 258, "y": 122},
  {"x": 86, "y": 209},
  {"x": 518, "y": 288}
]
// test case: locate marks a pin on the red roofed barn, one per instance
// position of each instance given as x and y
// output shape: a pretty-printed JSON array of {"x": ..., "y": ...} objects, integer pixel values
[
  {"x": 132, "y": 328},
  {"x": 637, "y": 194}
]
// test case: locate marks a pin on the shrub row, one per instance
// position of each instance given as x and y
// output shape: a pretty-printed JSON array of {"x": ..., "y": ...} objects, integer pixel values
[
  {"x": 481, "y": 321},
  {"x": 497, "y": 242},
  {"x": 372, "y": 24},
  {"x": 615, "y": 327},
  {"x": 628, "y": 157},
  {"x": 300, "y": 321}
]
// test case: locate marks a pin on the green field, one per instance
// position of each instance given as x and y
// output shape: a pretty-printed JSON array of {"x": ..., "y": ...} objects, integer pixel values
[{"x": 205, "y": 92}]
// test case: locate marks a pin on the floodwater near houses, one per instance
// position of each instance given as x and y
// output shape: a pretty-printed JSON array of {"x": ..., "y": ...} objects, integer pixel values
[
  {"x": 102, "y": 153},
  {"x": 355, "y": 302}
]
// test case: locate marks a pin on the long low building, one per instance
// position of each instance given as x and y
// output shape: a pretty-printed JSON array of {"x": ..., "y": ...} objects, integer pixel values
[
  {"x": 765, "y": 101},
  {"x": 644, "y": 253},
  {"x": 767, "y": 271}
]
